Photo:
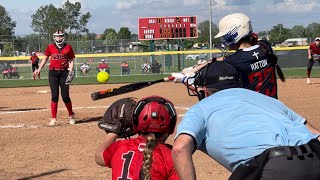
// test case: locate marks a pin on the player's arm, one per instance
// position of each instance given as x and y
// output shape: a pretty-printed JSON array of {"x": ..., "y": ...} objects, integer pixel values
[
  {"x": 71, "y": 64},
  {"x": 182, "y": 151},
  {"x": 309, "y": 53},
  {"x": 107, "y": 141},
  {"x": 43, "y": 62}
]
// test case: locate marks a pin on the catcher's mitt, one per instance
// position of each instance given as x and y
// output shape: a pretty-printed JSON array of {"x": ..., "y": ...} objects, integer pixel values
[
  {"x": 118, "y": 118},
  {"x": 315, "y": 57},
  {"x": 70, "y": 77}
]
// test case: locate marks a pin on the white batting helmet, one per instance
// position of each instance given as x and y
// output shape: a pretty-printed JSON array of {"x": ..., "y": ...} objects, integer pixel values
[{"x": 234, "y": 27}]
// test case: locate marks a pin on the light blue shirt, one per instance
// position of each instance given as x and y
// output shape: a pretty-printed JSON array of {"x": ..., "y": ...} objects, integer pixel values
[{"x": 235, "y": 125}]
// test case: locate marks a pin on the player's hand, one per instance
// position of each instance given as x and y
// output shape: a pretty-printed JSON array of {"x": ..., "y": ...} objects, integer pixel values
[
  {"x": 178, "y": 77},
  {"x": 36, "y": 72}
]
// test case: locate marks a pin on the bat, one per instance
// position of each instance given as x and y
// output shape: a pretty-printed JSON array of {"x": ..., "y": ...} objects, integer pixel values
[{"x": 126, "y": 88}]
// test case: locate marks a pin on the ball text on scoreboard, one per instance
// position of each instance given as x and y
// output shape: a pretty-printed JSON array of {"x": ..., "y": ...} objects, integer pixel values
[{"x": 179, "y": 27}]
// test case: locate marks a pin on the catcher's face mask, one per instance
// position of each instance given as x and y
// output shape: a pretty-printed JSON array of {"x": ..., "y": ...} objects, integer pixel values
[
  {"x": 154, "y": 114},
  {"x": 195, "y": 83}
]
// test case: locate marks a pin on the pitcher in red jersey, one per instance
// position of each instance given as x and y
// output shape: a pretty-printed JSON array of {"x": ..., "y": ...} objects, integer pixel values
[
  {"x": 146, "y": 156},
  {"x": 60, "y": 70}
]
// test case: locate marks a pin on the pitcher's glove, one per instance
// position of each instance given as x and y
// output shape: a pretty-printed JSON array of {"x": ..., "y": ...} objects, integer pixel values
[
  {"x": 118, "y": 118},
  {"x": 70, "y": 77}
]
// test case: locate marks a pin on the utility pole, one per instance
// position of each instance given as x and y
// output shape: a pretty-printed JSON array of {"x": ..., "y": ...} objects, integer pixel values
[{"x": 210, "y": 29}]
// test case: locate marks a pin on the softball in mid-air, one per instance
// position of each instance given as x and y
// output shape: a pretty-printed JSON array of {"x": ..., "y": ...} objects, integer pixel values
[{"x": 103, "y": 77}]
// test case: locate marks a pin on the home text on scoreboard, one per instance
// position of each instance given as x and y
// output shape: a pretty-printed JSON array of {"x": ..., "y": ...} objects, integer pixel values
[{"x": 180, "y": 27}]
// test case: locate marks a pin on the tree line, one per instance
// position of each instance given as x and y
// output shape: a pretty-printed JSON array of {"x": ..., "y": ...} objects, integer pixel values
[{"x": 48, "y": 18}]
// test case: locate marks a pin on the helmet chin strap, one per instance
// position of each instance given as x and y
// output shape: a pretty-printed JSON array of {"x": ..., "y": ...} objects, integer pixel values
[{"x": 59, "y": 45}]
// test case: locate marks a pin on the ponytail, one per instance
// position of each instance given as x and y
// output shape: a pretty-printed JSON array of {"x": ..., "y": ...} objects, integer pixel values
[
  {"x": 147, "y": 155},
  {"x": 266, "y": 48}
]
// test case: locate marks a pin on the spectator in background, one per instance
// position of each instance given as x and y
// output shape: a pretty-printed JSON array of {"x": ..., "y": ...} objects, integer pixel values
[
  {"x": 313, "y": 55},
  {"x": 125, "y": 69},
  {"x": 103, "y": 66},
  {"x": 84, "y": 69},
  {"x": 146, "y": 67},
  {"x": 156, "y": 66},
  {"x": 34, "y": 60}
]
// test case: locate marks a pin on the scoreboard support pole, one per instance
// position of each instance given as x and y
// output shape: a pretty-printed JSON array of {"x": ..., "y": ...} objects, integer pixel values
[
  {"x": 182, "y": 49},
  {"x": 152, "y": 49}
]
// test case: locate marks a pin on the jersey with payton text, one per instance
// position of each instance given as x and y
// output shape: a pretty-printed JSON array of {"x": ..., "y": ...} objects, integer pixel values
[
  {"x": 59, "y": 57},
  {"x": 125, "y": 157},
  {"x": 314, "y": 49},
  {"x": 257, "y": 72}
]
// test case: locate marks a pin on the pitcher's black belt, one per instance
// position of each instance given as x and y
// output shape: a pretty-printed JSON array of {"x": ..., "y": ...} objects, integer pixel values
[{"x": 58, "y": 69}]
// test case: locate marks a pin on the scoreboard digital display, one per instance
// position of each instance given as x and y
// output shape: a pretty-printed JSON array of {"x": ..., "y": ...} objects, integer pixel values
[{"x": 179, "y": 27}]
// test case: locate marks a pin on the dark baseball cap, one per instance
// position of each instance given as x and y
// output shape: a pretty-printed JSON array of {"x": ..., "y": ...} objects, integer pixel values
[{"x": 222, "y": 75}]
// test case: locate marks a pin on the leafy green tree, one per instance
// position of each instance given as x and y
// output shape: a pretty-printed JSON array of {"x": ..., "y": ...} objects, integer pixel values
[
  {"x": 7, "y": 26},
  {"x": 107, "y": 31},
  {"x": 124, "y": 33},
  {"x": 7, "y": 50},
  {"x": 111, "y": 39},
  {"x": 48, "y": 19},
  {"x": 312, "y": 30},
  {"x": 279, "y": 33},
  {"x": 204, "y": 34},
  {"x": 298, "y": 31},
  {"x": 188, "y": 44},
  {"x": 73, "y": 18}
]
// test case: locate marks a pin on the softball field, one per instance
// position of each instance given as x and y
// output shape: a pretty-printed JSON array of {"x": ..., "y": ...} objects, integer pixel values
[{"x": 30, "y": 149}]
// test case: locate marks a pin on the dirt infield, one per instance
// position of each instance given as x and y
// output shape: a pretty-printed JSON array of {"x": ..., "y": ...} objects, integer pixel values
[{"x": 31, "y": 149}]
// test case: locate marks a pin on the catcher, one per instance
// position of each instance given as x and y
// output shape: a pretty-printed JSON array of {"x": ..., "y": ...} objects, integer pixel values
[{"x": 154, "y": 119}]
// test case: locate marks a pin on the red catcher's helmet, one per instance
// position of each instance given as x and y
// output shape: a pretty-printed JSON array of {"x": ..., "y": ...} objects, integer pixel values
[{"x": 154, "y": 114}]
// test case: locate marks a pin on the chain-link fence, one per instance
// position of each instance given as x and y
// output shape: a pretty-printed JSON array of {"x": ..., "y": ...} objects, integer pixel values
[
  {"x": 157, "y": 62},
  {"x": 23, "y": 46}
]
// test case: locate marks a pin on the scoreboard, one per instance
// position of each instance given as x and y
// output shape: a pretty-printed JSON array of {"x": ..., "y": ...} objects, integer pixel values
[{"x": 178, "y": 27}]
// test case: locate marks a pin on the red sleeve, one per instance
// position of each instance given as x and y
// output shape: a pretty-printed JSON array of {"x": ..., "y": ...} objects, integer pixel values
[
  {"x": 109, "y": 152},
  {"x": 48, "y": 51},
  {"x": 71, "y": 53}
]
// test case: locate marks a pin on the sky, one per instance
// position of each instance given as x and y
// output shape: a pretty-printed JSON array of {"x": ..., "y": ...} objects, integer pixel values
[{"x": 264, "y": 14}]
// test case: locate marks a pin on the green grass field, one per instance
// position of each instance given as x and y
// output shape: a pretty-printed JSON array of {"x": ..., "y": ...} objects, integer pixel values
[{"x": 114, "y": 79}]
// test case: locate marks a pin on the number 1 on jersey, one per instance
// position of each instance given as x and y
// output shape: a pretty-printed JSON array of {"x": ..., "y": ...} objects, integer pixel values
[{"x": 127, "y": 157}]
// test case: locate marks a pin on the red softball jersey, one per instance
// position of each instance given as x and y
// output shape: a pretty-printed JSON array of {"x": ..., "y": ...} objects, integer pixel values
[
  {"x": 125, "y": 157},
  {"x": 103, "y": 66},
  {"x": 59, "y": 58},
  {"x": 34, "y": 59},
  {"x": 314, "y": 49}
]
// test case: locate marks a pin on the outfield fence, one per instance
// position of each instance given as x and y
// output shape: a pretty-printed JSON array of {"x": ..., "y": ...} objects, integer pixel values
[{"x": 169, "y": 61}]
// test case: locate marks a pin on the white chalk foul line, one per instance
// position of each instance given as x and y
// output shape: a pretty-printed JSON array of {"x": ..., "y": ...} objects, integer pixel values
[
  {"x": 17, "y": 126},
  {"x": 39, "y": 110},
  {"x": 88, "y": 107}
]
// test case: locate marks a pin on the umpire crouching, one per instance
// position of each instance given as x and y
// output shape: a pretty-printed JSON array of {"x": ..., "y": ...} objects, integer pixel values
[{"x": 252, "y": 135}]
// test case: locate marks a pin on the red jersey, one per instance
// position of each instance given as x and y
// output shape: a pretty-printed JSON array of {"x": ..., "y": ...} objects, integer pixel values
[
  {"x": 59, "y": 59},
  {"x": 314, "y": 49},
  {"x": 125, "y": 157},
  {"x": 103, "y": 66},
  {"x": 34, "y": 59}
]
